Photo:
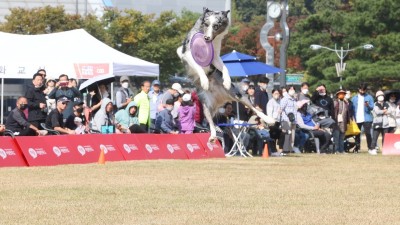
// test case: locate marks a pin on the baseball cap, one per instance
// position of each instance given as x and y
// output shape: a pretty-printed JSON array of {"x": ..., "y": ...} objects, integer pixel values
[
  {"x": 79, "y": 102},
  {"x": 178, "y": 87},
  {"x": 169, "y": 102},
  {"x": 155, "y": 82},
  {"x": 123, "y": 78},
  {"x": 63, "y": 99},
  {"x": 186, "y": 97}
]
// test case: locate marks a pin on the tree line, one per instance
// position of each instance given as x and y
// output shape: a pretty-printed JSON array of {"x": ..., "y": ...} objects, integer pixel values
[{"x": 325, "y": 22}]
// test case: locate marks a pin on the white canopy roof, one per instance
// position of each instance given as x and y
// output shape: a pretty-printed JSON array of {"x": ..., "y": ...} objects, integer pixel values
[{"x": 75, "y": 53}]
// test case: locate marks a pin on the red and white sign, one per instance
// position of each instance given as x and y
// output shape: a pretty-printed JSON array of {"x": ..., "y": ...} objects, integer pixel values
[
  {"x": 36, "y": 151},
  {"x": 213, "y": 150},
  {"x": 89, "y": 70},
  {"x": 174, "y": 145},
  {"x": 391, "y": 145},
  {"x": 153, "y": 148},
  {"x": 192, "y": 146},
  {"x": 10, "y": 154},
  {"x": 129, "y": 146}
]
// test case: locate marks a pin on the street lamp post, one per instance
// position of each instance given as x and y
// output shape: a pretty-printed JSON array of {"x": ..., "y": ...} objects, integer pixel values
[{"x": 341, "y": 53}]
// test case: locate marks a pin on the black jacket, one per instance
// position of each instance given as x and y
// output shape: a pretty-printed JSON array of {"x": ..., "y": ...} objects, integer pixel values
[{"x": 35, "y": 96}]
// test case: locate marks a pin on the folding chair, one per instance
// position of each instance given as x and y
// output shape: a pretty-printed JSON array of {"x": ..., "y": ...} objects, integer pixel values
[{"x": 50, "y": 131}]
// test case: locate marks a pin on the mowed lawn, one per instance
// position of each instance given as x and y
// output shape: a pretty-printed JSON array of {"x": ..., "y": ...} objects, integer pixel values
[{"x": 297, "y": 189}]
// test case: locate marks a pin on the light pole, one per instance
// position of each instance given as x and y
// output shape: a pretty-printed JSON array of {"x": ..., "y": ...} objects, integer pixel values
[{"x": 341, "y": 53}]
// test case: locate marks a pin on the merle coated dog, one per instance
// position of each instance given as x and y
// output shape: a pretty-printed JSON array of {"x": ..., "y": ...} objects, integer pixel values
[{"x": 213, "y": 82}]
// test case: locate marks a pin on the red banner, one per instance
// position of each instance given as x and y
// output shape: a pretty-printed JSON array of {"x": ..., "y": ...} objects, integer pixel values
[
  {"x": 174, "y": 145},
  {"x": 10, "y": 155},
  {"x": 129, "y": 146},
  {"x": 89, "y": 70},
  {"x": 213, "y": 150},
  {"x": 36, "y": 152},
  {"x": 152, "y": 146},
  {"x": 192, "y": 146},
  {"x": 391, "y": 145}
]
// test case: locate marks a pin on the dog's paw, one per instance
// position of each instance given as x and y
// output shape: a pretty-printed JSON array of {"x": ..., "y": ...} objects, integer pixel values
[
  {"x": 227, "y": 84},
  {"x": 212, "y": 139},
  {"x": 205, "y": 84}
]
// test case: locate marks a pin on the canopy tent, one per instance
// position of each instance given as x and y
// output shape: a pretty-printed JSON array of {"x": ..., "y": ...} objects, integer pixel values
[{"x": 75, "y": 53}]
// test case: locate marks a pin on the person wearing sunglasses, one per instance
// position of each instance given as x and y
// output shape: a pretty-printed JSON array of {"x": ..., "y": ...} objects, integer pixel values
[{"x": 55, "y": 119}]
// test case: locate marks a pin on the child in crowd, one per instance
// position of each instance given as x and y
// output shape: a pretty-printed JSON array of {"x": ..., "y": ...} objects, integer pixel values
[{"x": 186, "y": 114}]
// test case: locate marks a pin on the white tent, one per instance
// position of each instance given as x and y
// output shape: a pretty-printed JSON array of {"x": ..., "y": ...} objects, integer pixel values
[{"x": 75, "y": 53}]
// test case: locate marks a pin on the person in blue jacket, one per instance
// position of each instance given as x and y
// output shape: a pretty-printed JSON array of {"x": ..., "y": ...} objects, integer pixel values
[{"x": 363, "y": 104}]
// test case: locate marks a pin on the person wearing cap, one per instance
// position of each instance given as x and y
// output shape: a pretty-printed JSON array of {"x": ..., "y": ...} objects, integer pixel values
[
  {"x": 17, "y": 121},
  {"x": 55, "y": 120},
  {"x": 155, "y": 97},
  {"x": 380, "y": 123},
  {"x": 71, "y": 122},
  {"x": 363, "y": 105},
  {"x": 64, "y": 89},
  {"x": 172, "y": 93},
  {"x": 37, "y": 108},
  {"x": 143, "y": 103},
  {"x": 124, "y": 94},
  {"x": 261, "y": 95},
  {"x": 165, "y": 121},
  {"x": 186, "y": 113},
  {"x": 341, "y": 116},
  {"x": 305, "y": 121}
]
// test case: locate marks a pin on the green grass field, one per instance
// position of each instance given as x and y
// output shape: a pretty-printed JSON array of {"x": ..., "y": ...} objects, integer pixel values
[{"x": 298, "y": 189}]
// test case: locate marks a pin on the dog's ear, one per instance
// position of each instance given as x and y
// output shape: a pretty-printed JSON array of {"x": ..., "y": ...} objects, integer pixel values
[
  {"x": 205, "y": 10},
  {"x": 225, "y": 13}
]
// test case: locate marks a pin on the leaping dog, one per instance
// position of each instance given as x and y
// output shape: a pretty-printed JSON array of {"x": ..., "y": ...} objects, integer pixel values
[
  {"x": 214, "y": 25},
  {"x": 213, "y": 83}
]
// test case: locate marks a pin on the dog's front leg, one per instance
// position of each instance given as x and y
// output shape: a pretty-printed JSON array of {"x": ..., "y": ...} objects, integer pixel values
[
  {"x": 199, "y": 71},
  {"x": 267, "y": 119},
  {"x": 225, "y": 73},
  {"x": 213, "y": 131}
]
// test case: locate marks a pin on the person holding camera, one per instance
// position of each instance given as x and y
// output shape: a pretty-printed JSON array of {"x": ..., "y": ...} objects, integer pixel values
[
  {"x": 37, "y": 108},
  {"x": 363, "y": 105},
  {"x": 64, "y": 88}
]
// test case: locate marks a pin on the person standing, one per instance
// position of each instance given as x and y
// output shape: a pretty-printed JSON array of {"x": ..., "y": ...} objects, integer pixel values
[
  {"x": 17, "y": 122},
  {"x": 380, "y": 123},
  {"x": 123, "y": 95},
  {"x": 172, "y": 93},
  {"x": 304, "y": 90},
  {"x": 143, "y": 103},
  {"x": 261, "y": 95},
  {"x": 289, "y": 112},
  {"x": 342, "y": 118},
  {"x": 63, "y": 88},
  {"x": 363, "y": 106},
  {"x": 322, "y": 99},
  {"x": 186, "y": 114},
  {"x": 37, "y": 108},
  {"x": 392, "y": 113},
  {"x": 155, "y": 96}
]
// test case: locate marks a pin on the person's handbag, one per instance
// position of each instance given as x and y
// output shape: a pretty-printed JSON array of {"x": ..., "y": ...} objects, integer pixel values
[
  {"x": 352, "y": 129},
  {"x": 291, "y": 117},
  {"x": 377, "y": 125},
  {"x": 107, "y": 129}
]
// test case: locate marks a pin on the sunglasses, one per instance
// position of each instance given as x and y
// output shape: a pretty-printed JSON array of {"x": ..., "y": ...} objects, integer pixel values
[{"x": 64, "y": 103}]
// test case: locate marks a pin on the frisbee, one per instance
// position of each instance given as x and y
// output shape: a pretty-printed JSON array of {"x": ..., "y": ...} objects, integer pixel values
[{"x": 202, "y": 51}]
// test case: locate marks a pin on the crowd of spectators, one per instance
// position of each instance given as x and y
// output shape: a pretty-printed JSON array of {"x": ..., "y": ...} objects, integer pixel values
[{"x": 57, "y": 105}]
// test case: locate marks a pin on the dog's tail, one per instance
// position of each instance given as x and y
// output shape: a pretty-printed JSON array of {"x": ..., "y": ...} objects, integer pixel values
[{"x": 179, "y": 52}]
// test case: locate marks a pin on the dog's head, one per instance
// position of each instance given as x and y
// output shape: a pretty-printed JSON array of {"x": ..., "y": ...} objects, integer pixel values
[{"x": 214, "y": 23}]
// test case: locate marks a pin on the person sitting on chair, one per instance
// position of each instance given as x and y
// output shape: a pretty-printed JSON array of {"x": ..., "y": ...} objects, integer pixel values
[
  {"x": 127, "y": 120},
  {"x": 165, "y": 121},
  {"x": 105, "y": 116},
  {"x": 76, "y": 120},
  {"x": 304, "y": 121},
  {"x": 17, "y": 121},
  {"x": 55, "y": 119}
]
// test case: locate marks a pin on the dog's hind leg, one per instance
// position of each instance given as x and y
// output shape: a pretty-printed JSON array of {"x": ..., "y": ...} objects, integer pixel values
[
  {"x": 213, "y": 131},
  {"x": 225, "y": 73}
]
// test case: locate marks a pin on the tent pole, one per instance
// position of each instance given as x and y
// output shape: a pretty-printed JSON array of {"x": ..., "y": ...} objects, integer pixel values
[
  {"x": 2, "y": 99},
  {"x": 112, "y": 91}
]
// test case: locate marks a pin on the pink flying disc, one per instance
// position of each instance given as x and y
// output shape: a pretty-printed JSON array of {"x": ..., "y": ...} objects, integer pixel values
[{"x": 202, "y": 51}]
